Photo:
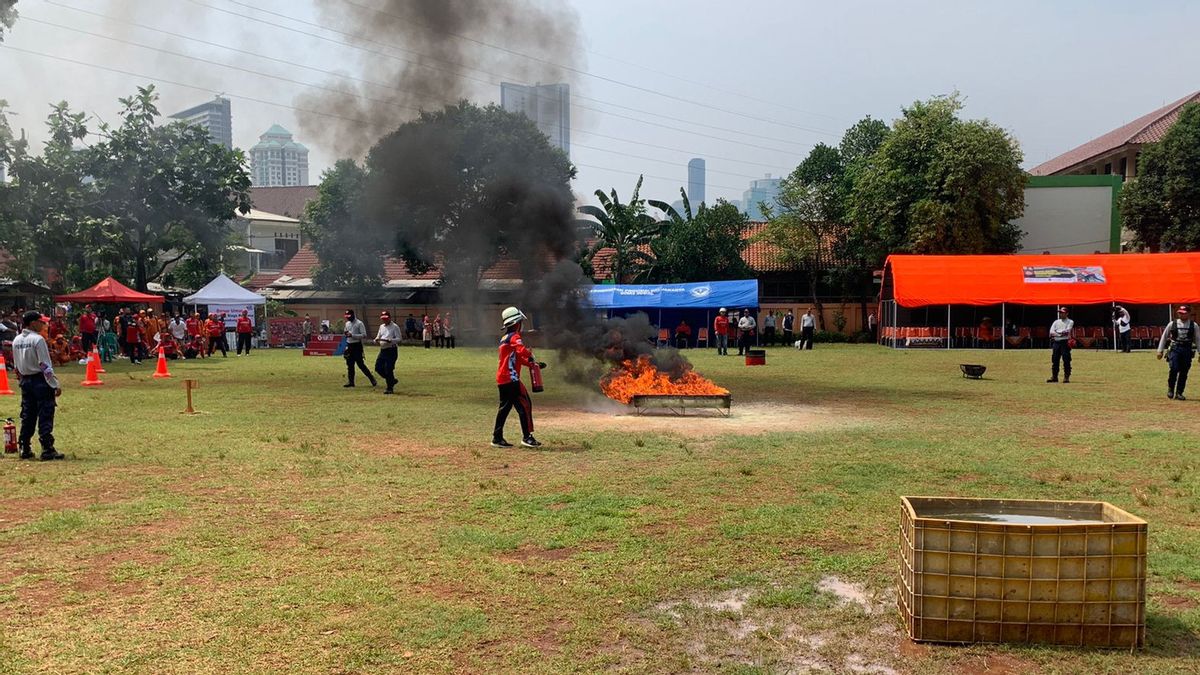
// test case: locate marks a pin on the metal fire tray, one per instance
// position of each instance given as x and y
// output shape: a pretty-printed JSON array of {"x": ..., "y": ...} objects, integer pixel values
[{"x": 680, "y": 403}]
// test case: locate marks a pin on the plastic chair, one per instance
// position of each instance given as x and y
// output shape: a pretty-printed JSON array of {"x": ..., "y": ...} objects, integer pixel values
[
  {"x": 702, "y": 336},
  {"x": 664, "y": 338}
]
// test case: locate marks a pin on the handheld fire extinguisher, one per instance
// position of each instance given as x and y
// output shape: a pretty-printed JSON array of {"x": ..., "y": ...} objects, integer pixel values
[
  {"x": 535, "y": 376},
  {"x": 10, "y": 437}
]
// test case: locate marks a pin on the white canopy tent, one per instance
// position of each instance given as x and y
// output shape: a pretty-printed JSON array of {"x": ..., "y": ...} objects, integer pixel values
[{"x": 224, "y": 291}]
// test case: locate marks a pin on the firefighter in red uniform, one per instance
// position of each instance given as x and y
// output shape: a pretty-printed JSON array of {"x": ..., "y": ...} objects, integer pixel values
[
  {"x": 216, "y": 335},
  {"x": 245, "y": 329},
  {"x": 513, "y": 355}
]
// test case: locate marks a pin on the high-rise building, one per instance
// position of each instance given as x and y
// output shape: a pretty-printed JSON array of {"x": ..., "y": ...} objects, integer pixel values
[
  {"x": 761, "y": 190},
  {"x": 696, "y": 178},
  {"x": 277, "y": 160},
  {"x": 214, "y": 117},
  {"x": 548, "y": 105}
]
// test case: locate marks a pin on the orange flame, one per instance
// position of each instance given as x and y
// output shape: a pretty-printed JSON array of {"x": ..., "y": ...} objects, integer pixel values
[{"x": 641, "y": 377}]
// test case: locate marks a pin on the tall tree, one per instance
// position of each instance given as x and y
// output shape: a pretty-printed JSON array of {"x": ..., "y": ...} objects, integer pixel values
[
  {"x": 350, "y": 250},
  {"x": 705, "y": 246},
  {"x": 164, "y": 192},
  {"x": 1162, "y": 205},
  {"x": 626, "y": 228},
  {"x": 8, "y": 15},
  {"x": 940, "y": 184}
]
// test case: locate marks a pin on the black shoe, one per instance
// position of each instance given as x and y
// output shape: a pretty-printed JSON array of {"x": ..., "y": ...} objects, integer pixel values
[
  {"x": 1170, "y": 394},
  {"x": 388, "y": 392},
  {"x": 1180, "y": 397},
  {"x": 501, "y": 443},
  {"x": 530, "y": 442},
  {"x": 26, "y": 453},
  {"x": 1053, "y": 379},
  {"x": 347, "y": 386},
  {"x": 374, "y": 383},
  {"x": 49, "y": 455},
  {"x": 1067, "y": 380}
]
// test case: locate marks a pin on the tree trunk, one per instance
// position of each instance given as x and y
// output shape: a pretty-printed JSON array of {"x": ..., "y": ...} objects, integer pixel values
[
  {"x": 139, "y": 279},
  {"x": 816, "y": 300}
]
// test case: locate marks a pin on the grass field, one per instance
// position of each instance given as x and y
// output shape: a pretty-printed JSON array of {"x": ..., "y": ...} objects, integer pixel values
[{"x": 295, "y": 526}]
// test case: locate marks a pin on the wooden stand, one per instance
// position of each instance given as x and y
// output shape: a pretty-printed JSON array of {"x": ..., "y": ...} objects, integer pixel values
[{"x": 188, "y": 386}]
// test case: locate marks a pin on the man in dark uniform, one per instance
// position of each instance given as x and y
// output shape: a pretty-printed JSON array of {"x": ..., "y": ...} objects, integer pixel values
[
  {"x": 39, "y": 388},
  {"x": 1060, "y": 342},
  {"x": 1181, "y": 341},
  {"x": 356, "y": 333}
]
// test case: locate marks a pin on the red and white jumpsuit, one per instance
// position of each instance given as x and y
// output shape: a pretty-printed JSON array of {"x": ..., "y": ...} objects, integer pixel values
[{"x": 513, "y": 355}]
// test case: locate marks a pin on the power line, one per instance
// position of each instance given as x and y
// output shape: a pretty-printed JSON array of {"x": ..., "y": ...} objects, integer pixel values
[
  {"x": 565, "y": 67},
  {"x": 325, "y": 72}
]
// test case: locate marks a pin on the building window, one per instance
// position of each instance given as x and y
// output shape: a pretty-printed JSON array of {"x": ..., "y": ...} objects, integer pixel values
[
  {"x": 1124, "y": 165},
  {"x": 1108, "y": 168}
]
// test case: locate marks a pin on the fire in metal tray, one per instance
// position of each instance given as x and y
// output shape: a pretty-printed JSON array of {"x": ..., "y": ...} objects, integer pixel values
[{"x": 640, "y": 377}]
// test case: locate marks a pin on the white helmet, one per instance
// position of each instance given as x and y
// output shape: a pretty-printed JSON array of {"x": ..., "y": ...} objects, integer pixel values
[
  {"x": 511, "y": 316},
  {"x": 722, "y": 310}
]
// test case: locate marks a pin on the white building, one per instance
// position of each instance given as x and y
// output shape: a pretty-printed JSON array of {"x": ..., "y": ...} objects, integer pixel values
[
  {"x": 271, "y": 241},
  {"x": 548, "y": 105},
  {"x": 277, "y": 160},
  {"x": 215, "y": 117}
]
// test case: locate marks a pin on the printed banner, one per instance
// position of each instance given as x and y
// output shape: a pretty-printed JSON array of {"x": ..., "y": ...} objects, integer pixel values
[
  {"x": 1056, "y": 274},
  {"x": 232, "y": 312},
  {"x": 712, "y": 294}
]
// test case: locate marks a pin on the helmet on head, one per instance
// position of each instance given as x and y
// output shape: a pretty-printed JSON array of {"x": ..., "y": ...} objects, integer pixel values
[
  {"x": 511, "y": 316},
  {"x": 722, "y": 311}
]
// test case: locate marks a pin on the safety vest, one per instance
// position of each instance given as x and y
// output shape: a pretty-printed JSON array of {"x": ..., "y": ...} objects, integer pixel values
[{"x": 1181, "y": 336}]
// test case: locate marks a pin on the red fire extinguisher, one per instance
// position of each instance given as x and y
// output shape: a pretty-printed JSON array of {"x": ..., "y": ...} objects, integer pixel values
[
  {"x": 10, "y": 437},
  {"x": 535, "y": 377}
]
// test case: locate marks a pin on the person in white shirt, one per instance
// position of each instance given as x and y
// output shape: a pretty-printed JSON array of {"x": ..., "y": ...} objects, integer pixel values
[
  {"x": 1060, "y": 343},
  {"x": 1124, "y": 324},
  {"x": 355, "y": 332},
  {"x": 39, "y": 388},
  {"x": 769, "y": 329},
  {"x": 808, "y": 327},
  {"x": 388, "y": 339},
  {"x": 1181, "y": 341},
  {"x": 746, "y": 326}
]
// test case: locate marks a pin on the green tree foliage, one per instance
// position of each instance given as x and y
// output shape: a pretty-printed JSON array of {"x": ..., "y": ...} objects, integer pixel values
[
  {"x": 705, "y": 246},
  {"x": 350, "y": 249},
  {"x": 627, "y": 229},
  {"x": 939, "y": 184},
  {"x": 8, "y": 15},
  {"x": 162, "y": 192},
  {"x": 1162, "y": 206}
]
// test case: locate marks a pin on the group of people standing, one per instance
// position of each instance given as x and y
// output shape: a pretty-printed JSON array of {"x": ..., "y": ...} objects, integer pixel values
[{"x": 777, "y": 328}]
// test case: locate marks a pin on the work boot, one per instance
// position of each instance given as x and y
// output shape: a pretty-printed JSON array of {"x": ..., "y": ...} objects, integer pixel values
[
  {"x": 501, "y": 443},
  {"x": 530, "y": 442},
  {"x": 26, "y": 453},
  {"x": 348, "y": 385},
  {"x": 1180, "y": 397},
  {"x": 1170, "y": 394},
  {"x": 51, "y": 454},
  {"x": 1067, "y": 380},
  {"x": 1053, "y": 379}
]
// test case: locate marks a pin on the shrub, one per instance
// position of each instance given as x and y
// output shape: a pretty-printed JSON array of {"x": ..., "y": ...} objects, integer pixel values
[{"x": 830, "y": 336}]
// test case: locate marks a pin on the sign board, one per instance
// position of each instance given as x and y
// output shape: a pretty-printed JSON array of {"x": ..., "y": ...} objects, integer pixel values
[
  {"x": 1061, "y": 274},
  {"x": 710, "y": 294},
  {"x": 232, "y": 312}
]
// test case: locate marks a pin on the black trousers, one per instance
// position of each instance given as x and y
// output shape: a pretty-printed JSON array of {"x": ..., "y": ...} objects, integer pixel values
[
  {"x": 37, "y": 410},
  {"x": 514, "y": 395},
  {"x": 789, "y": 338},
  {"x": 385, "y": 365},
  {"x": 1180, "y": 360},
  {"x": 243, "y": 341},
  {"x": 218, "y": 343},
  {"x": 1060, "y": 351},
  {"x": 354, "y": 357},
  {"x": 449, "y": 341},
  {"x": 1123, "y": 341},
  {"x": 806, "y": 337},
  {"x": 769, "y": 336},
  {"x": 89, "y": 341},
  {"x": 744, "y": 343}
]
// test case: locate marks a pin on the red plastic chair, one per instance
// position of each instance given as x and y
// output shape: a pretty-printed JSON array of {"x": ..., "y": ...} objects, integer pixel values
[
  {"x": 702, "y": 336},
  {"x": 664, "y": 338}
]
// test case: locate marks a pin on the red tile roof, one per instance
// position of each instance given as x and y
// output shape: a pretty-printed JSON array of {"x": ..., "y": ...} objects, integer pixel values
[
  {"x": 283, "y": 201},
  {"x": 261, "y": 280},
  {"x": 1148, "y": 128},
  {"x": 302, "y": 264}
]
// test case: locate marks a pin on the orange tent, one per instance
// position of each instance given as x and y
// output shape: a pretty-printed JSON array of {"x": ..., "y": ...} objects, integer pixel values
[
  {"x": 1132, "y": 278},
  {"x": 110, "y": 290}
]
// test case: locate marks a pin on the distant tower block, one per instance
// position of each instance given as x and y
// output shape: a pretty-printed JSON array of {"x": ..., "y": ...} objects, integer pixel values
[{"x": 696, "y": 182}]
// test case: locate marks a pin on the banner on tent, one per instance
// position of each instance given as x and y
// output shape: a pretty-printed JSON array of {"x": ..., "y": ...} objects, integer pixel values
[
  {"x": 232, "y": 312},
  {"x": 710, "y": 294},
  {"x": 1055, "y": 274}
]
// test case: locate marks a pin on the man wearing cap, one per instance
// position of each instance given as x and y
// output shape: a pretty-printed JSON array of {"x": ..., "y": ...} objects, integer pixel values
[
  {"x": 355, "y": 332},
  {"x": 39, "y": 387},
  {"x": 1060, "y": 343},
  {"x": 388, "y": 339},
  {"x": 1181, "y": 341},
  {"x": 513, "y": 355},
  {"x": 721, "y": 332},
  {"x": 746, "y": 326}
]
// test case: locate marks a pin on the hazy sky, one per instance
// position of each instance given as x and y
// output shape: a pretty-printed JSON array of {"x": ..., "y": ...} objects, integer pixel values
[{"x": 751, "y": 85}]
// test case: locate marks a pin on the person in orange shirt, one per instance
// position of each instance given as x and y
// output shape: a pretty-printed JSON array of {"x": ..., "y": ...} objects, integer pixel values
[
  {"x": 216, "y": 335},
  {"x": 195, "y": 333},
  {"x": 721, "y": 332},
  {"x": 245, "y": 328}
]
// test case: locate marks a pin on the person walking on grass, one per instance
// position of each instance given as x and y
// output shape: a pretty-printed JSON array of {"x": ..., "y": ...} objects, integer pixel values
[
  {"x": 306, "y": 331},
  {"x": 745, "y": 327},
  {"x": 1181, "y": 342},
  {"x": 39, "y": 388},
  {"x": 388, "y": 338},
  {"x": 216, "y": 335},
  {"x": 513, "y": 355},
  {"x": 1060, "y": 346},
  {"x": 721, "y": 331},
  {"x": 245, "y": 329},
  {"x": 356, "y": 333},
  {"x": 808, "y": 328}
]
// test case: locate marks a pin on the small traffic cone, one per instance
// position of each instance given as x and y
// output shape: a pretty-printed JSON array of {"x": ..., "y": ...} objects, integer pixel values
[
  {"x": 4, "y": 388},
  {"x": 99, "y": 362},
  {"x": 90, "y": 378},
  {"x": 161, "y": 371}
]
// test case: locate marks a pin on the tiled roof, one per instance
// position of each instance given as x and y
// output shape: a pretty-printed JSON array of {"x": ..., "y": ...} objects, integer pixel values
[
  {"x": 261, "y": 280},
  {"x": 1148, "y": 128},
  {"x": 284, "y": 201},
  {"x": 302, "y": 264}
]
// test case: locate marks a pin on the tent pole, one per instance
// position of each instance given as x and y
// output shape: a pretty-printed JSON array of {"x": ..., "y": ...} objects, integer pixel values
[
  {"x": 1003, "y": 325},
  {"x": 1116, "y": 334},
  {"x": 949, "y": 337}
]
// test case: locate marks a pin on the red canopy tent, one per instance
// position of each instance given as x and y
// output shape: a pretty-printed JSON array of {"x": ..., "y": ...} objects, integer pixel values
[{"x": 110, "y": 290}]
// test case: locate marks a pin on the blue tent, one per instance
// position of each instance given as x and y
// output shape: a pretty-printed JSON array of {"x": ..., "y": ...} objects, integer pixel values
[{"x": 705, "y": 295}]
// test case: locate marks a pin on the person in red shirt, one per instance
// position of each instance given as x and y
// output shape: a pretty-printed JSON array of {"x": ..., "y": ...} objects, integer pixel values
[
  {"x": 133, "y": 342},
  {"x": 721, "y": 332},
  {"x": 245, "y": 328},
  {"x": 513, "y": 355},
  {"x": 57, "y": 328},
  {"x": 216, "y": 335},
  {"x": 87, "y": 329},
  {"x": 195, "y": 334}
]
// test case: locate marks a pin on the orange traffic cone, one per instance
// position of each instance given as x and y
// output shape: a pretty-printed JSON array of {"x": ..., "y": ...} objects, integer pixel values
[
  {"x": 4, "y": 388},
  {"x": 161, "y": 371},
  {"x": 90, "y": 378},
  {"x": 99, "y": 364}
]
